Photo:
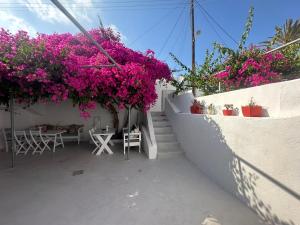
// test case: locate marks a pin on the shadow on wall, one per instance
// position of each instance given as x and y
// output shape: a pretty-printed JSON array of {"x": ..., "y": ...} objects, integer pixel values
[{"x": 239, "y": 176}]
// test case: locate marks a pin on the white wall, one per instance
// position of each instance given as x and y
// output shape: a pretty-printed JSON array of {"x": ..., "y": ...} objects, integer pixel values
[
  {"x": 256, "y": 159},
  {"x": 278, "y": 99},
  {"x": 59, "y": 114},
  {"x": 161, "y": 89}
]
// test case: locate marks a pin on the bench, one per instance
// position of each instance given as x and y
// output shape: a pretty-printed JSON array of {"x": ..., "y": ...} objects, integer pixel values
[{"x": 73, "y": 131}]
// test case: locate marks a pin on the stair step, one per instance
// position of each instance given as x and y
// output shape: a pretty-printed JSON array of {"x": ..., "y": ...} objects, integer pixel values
[
  {"x": 168, "y": 137},
  {"x": 159, "y": 118},
  {"x": 158, "y": 114},
  {"x": 168, "y": 146},
  {"x": 161, "y": 124},
  {"x": 168, "y": 149},
  {"x": 161, "y": 155},
  {"x": 162, "y": 130}
]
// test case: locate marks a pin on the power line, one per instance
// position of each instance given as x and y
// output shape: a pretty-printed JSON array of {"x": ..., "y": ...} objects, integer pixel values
[
  {"x": 214, "y": 20},
  {"x": 181, "y": 34},
  {"x": 185, "y": 25},
  {"x": 93, "y": 2},
  {"x": 171, "y": 32},
  {"x": 152, "y": 27},
  {"x": 102, "y": 6},
  {"x": 214, "y": 29}
]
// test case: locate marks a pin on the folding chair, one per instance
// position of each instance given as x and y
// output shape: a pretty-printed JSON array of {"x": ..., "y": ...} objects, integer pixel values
[
  {"x": 7, "y": 138},
  {"x": 96, "y": 141},
  {"x": 39, "y": 143},
  {"x": 22, "y": 146}
]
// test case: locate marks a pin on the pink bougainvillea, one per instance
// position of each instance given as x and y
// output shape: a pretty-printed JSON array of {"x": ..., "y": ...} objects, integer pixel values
[
  {"x": 252, "y": 68},
  {"x": 53, "y": 67}
]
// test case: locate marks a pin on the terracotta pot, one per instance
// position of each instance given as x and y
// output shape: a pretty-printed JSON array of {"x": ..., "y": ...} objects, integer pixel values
[
  {"x": 196, "y": 109},
  {"x": 252, "y": 111},
  {"x": 228, "y": 112}
]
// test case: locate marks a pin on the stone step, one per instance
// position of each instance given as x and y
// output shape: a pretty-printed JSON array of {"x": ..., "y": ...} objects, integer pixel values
[
  {"x": 159, "y": 118},
  {"x": 161, "y": 155},
  {"x": 158, "y": 114},
  {"x": 168, "y": 137},
  {"x": 168, "y": 146},
  {"x": 161, "y": 124},
  {"x": 162, "y": 130},
  {"x": 168, "y": 149}
]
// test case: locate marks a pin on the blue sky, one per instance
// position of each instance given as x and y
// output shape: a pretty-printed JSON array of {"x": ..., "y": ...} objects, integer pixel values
[{"x": 151, "y": 24}]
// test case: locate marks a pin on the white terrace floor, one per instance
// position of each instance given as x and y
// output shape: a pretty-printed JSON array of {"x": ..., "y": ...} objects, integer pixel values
[{"x": 42, "y": 190}]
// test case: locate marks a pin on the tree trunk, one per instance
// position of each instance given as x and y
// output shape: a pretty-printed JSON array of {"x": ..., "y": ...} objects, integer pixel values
[{"x": 112, "y": 109}]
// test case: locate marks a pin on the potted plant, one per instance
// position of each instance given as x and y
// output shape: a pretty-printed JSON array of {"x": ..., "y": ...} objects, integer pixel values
[
  {"x": 252, "y": 109},
  {"x": 211, "y": 109},
  {"x": 228, "y": 111},
  {"x": 197, "y": 107}
]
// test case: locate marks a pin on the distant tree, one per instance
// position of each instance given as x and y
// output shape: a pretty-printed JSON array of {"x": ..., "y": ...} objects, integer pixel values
[{"x": 284, "y": 34}]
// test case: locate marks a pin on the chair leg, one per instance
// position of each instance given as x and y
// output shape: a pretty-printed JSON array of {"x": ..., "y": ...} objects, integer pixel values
[
  {"x": 6, "y": 146},
  {"x": 95, "y": 149}
]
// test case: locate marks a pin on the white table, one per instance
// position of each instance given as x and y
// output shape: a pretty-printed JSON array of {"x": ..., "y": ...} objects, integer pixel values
[
  {"x": 104, "y": 138},
  {"x": 55, "y": 135}
]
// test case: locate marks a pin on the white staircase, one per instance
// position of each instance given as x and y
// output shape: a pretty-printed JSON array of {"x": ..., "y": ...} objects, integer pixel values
[{"x": 167, "y": 144}]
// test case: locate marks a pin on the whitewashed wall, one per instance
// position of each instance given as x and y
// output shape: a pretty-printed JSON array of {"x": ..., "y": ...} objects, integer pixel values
[
  {"x": 256, "y": 159},
  {"x": 59, "y": 114},
  {"x": 161, "y": 90},
  {"x": 278, "y": 100}
]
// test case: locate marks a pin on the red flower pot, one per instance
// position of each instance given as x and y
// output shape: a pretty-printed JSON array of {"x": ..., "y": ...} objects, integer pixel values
[
  {"x": 252, "y": 111},
  {"x": 228, "y": 112},
  {"x": 196, "y": 109}
]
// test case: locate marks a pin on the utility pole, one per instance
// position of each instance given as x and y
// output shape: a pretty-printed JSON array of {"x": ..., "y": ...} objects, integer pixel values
[{"x": 193, "y": 47}]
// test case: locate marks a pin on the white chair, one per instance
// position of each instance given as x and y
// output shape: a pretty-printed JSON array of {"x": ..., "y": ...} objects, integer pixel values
[
  {"x": 7, "y": 138},
  {"x": 22, "y": 145},
  {"x": 95, "y": 140},
  {"x": 39, "y": 142},
  {"x": 135, "y": 139}
]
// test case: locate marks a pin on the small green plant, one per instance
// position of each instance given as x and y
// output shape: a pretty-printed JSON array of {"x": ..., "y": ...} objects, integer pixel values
[
  {"x": 228, "y": 106},
  {"x": 252, "y": 102},
  {"x": 211, "y": 109}
]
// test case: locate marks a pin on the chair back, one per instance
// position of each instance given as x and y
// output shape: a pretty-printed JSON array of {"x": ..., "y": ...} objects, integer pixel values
[
  {"x": 91, "y": 132},
  {"x": 6, "y": 134},
  {"x": 134, "y": 137},
  {"x": 35, "y": 135},
  {"x": 19, "y": 136}
]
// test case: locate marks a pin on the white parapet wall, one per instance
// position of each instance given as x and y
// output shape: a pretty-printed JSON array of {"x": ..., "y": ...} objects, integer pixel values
[
  {"x": 278, "y": 99},
  {"x": 256, "y": 159}
]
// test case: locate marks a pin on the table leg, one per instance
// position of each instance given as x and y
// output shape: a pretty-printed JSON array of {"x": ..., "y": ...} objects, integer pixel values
[
  {"x": 61, "y": 141},
  {"x": 104, "y": 144},
  {"x": 54, "y": 144}
]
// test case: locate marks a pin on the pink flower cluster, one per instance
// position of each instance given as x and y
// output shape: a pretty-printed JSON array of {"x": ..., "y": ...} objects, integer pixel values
[
  {"x": 252, "y": 68},
  {"x": 52, "y": 67}
]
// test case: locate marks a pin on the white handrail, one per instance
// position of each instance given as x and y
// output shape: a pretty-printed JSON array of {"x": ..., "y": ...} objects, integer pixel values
[
  {"x": 173, "y": 106},
  {"x": 283, "y": 46}
]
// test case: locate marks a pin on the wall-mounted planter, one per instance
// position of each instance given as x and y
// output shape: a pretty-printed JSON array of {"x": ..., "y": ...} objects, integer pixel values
[
  {"x": 228, "y": 112},
  {"x": 252, "y": 111},
  {"x": 195, "y": 109}
]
